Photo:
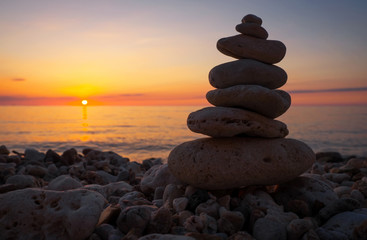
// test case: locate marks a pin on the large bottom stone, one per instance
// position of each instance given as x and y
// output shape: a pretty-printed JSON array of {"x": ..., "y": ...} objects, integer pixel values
[{"x": 224, "y": 163}]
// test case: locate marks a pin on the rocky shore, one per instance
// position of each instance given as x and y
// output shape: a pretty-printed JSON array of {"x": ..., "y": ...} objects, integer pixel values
[{"x": 103, "y": 196}]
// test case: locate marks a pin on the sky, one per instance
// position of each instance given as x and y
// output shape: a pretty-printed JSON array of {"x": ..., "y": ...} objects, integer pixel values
[{"x": 128, "y": 52}]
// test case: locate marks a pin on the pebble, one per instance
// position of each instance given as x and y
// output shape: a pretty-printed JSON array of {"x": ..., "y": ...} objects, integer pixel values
[
  {"x": 4, "y": 150},
  {"x": 251, "y": 18},
  {"x": 157, "y": 176},
  {"x": 342, "y": 225},
  {"x": 212, "y": 214},
  {"x": 242, "y": 46},
  {"x": 23, "y": 181},
  {"x": 230, "y": 222},
  {"x": 267, "y": 102},
  {"x": 64, "y": 182},
  {"x": 134, "y": 217},
  {"x": 225, "y": 163},
  {"x": 230, "y": 122},
  {"x": 315, "y": 193},
  {"x": 252, "y": 29},
  {"x": 247, "y": 72}
]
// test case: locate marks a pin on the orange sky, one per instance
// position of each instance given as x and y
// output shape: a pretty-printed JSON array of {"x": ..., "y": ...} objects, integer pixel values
[{"x": 145, "y": 53}]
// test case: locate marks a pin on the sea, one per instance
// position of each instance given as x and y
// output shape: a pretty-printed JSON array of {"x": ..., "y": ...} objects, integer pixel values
[{"x": 142, "y": 132}]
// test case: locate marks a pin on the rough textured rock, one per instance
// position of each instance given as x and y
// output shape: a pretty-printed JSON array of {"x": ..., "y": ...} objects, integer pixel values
[
  {"x": 267, "y": 102},
  {"x": 247, "y": 72},
  {"x": 242, "y": 46},
  {"x": 226, "y": 163},
  {"x": 252, "y": 29},
  {"x": 342, "y": 225},
  {"x": 22, "y": 181},
  {"x": 315, "y": 193},
  {"x": 135, "y": 217},
  {"x": 40, "y": 214},
  {"x": 64, "y": 182},
  {"x": 230, "y": 122},
  {"x": 157, "y": 176}
]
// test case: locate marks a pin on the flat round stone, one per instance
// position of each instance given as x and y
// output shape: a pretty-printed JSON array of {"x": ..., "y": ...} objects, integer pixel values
[
  {"x": 242, "y": 46},
  {"x": 251, "y": 18},
  {"x": 229, "y": 122},
  {"x": 247, "y": 72},
  {"x": 252, "y": 29},
  {"x": 226, "y": 163},
  {"x": 267, "y": 102}
]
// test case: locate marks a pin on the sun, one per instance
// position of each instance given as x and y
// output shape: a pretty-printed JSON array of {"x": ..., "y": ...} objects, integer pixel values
[{"x": 84, "y": 102}]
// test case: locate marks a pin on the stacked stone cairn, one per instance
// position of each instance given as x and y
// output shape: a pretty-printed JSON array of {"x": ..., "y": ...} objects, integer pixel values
[{"x": 246, "y": 146}]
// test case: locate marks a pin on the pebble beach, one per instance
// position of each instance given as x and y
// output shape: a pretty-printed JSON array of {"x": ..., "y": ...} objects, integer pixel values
[
  {"x": 243, "y": 180},
  {"x": 103, "y": 196}
]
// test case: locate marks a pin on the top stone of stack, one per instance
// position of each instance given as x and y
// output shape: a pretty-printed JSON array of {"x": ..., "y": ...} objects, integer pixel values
[{"x": 252, "y": 43}]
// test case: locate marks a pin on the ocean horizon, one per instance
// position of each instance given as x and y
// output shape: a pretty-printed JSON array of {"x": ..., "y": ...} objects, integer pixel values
[{"x": 141, "y": 132}]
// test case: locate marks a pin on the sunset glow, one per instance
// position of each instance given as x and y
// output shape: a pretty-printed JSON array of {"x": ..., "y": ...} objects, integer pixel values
[
  {"x": 56, "y": 53},
  {"x": 84, "y": 102}
]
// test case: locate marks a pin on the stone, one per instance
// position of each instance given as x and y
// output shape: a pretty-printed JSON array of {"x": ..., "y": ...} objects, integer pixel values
[
  {"x": 161, "y": 221},
  {"x": 226, "y": 163},
  {"x": 253, "y": 30},
  {"x": 196, "y": 198},
  {"x": 267, "y": 102},
  {"x": 172, "y": 192},
  {"x": 116, "y": 188},
  {"x": 180, "y": 204},
  {"x": 134, "y": 217},
  {"x": 32, "y": 154},
  {"x": 315, "y": 193},
  {"x": 360, "y": 231},
  {"x": 112, "y": 157},
  {"x": 342, "y": 191},
  {"x": 43, "y": 214},
  {"x": 202, "y": 223},
  {"x": 329, "y": 157},
  {"x": 204, "y": 236},
  {"x": 35, "y": 170},
  {"x": 247, "y": 72},
  {"x": 70, "y": 157},
  {"x": 4, "y": 150},
  {"x": 230, "y": 222},
  {"x": 157, "y": 236},
  {"x": 337, "y": 206},
  {"x": 23, "y": 181},
  {"x": 241, "y": 236},
  {"x": 336, "y": 177},
  {"x": 108, "y": 232},
  {"x": 265, "y": 229},
  {"x": 133, "y": 198},
  {"x": 297, "y": 227},
  {"x": 342, "y": 225},
  {"x": 157, "y": 176},
  {"x": 52, "y": 156},
  {"x": 251, "y": 18},
  {"x": 64, "y": 182},
  {"x": 230, "y": 122},
  {"x": 210, "y": 207},
  {"x": 6, "y": 170},
  {"x": 242, "y": 46}
]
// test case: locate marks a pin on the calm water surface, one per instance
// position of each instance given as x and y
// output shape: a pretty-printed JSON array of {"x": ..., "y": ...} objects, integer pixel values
[{"x": 144, "y": 132}]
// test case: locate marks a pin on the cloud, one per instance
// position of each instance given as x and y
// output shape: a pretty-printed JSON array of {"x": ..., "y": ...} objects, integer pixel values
[
  {"x": 25, "y": 100},
  {"x": 18, "y": 79},
  {"x": 358, "y": 89}
]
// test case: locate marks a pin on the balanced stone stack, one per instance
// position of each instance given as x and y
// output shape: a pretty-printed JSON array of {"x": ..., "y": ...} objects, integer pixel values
[{"x": 246, "y": 146}]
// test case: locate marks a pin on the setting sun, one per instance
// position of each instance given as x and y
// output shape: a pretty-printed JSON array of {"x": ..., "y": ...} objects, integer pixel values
[{"x": 84, "y": 102}]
